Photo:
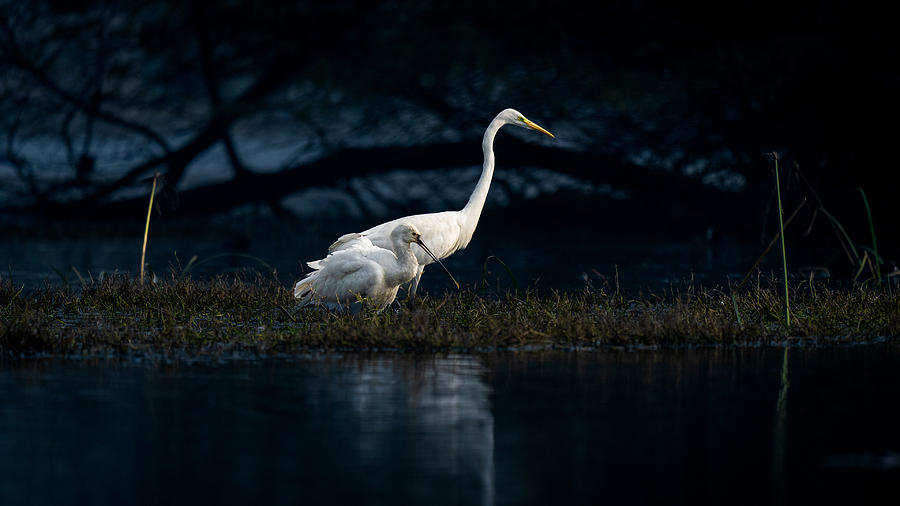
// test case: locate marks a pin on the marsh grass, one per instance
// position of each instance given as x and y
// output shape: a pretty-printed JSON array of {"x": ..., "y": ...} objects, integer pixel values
[{"x": 255, "y": 314}]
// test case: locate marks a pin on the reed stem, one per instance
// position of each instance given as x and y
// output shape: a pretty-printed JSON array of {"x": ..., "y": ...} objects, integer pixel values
[
  {"x": 787, "y": 304},
  {"x": 147, "y": 225}
]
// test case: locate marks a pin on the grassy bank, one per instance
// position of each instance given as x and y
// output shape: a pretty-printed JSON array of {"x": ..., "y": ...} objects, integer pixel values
[{"x": 255, "y": 315}]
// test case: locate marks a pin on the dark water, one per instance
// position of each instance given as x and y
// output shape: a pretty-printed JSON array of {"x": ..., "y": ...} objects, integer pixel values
[
  {"x": 669, "y": 427},
  {"x": 561, "y": 258}
]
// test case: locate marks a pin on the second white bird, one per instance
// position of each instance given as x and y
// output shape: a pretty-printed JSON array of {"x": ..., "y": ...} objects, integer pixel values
[{"x": 364, "y": 270}]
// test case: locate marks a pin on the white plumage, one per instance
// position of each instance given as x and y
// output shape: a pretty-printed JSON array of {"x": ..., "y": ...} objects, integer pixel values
[
  {"x": 449, "y": 231},
  {"x": 363, "y": 270}
]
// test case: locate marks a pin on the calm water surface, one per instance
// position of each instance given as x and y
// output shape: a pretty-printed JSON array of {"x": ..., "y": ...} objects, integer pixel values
[
  {"x": 561, "y": 257},
  {"x": 669, "y": 427},
  {"x": 565, "y": 264}
]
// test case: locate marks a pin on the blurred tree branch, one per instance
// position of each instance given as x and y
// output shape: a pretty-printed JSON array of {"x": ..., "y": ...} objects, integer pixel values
[
  {"x": 201, "y": 30},
  {"x": 347, "y": 163},
  {"x": 13, "y": 55},
  {"x": 82, "y": 104},
  {"x": 97, "y": 94}
]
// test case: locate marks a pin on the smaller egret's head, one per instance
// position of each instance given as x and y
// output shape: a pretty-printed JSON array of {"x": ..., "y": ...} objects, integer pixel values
[
  {"x": 407, "y": 233},
  {"x": 514, "y": 117}
]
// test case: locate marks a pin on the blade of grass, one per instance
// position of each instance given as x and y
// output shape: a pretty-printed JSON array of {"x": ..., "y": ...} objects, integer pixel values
[
  {"x": 770, "y": 246},
  {"x": 80, "y": 277},
  {"x": 62, "y": 276},
  {"x": 866, "y": 259},
  {"x": 193, "y": 262},
  {"x": 147, "y": 225},
  {"x": 734, "y": 304},
  {"x": 787, "y": 304},
  {"x": 843, "y": 235},
  {"x": 484, "y": 273},
  {"x": 878, "y": 261},
  {"x": 14, "y": 297}
]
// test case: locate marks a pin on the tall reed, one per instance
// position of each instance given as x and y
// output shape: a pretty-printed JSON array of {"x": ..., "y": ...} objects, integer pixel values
[
  {"x": 147, "y": 225},
  {"x": 787, "y": 304}
]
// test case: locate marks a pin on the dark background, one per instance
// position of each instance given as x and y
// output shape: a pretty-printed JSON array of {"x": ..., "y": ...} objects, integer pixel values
[{"x": 311, "y": 119}]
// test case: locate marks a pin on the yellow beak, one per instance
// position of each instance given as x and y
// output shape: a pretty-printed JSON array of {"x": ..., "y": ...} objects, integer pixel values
[{"x": 534, "y": 126}]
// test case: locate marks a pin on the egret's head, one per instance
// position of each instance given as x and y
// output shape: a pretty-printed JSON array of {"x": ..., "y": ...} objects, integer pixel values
[
  {"x": 514, "y": 117},
  {"x": 406, "y": 233}
]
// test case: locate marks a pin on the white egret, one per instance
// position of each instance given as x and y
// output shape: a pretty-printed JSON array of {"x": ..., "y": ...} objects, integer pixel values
[
  {"x": 449, "y": 231},
  {"x": 364, "y": 270}
]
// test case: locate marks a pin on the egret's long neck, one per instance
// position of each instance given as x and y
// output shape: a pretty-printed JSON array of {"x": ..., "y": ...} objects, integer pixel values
[
  {"x": 473, "y": 208},
  {"x": 406, "y": 265}
]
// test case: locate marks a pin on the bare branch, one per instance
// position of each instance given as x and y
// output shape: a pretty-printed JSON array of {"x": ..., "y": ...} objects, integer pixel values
[
  {"x": 47, "y": 83},
  {"x": 353, "y": 162},
  {"x": 212, "y": 84},
  {"x": 178, "y": 159}
]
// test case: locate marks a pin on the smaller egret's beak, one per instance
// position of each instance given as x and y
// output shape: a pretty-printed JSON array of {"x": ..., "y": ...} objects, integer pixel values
[
  {"x": 534, "y": 126},
  {"x": 422, "y": 244}
]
